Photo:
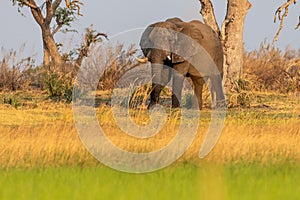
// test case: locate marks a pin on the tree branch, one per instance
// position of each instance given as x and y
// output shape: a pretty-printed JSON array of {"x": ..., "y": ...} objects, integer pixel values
[
  {"x": 56, "y": 4},
  {"x": 49, "y": 11},
  {"x": 298, "y": 25},
  {"x": 91, "y": 36},
  {"x": 57, "y": 29},
  {"x": 36, "y": 12},
  {"x": 28, "y": 4},
  {"x": 281, "y": 18},
  {"x": 207, "y": 12},
  {"x": 101, "y": 35}
]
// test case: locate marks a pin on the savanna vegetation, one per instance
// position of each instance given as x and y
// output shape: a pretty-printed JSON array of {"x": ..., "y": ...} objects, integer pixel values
[
  {"x": 42, "y": 156},
  {"x": 257, "y": 156}
]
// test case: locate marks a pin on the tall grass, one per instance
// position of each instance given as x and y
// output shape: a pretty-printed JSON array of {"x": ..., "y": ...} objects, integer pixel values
[
  {"x": 46, "y": 136},
  {"x": 14, "y": 70},
  {"x": 271, "y": 69},
  {"x": 43, "y": 133},
  {"x": 265, "y": 69}
]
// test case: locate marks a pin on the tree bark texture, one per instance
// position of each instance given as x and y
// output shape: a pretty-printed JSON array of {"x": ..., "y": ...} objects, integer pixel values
[
  {"x": 50, "y": 46},
  {"x": 231, "y": 34},
  {"x": 47, "y": 57},
  {"x": 233, "y": 45},
  {"x": 51, "y": 51}
]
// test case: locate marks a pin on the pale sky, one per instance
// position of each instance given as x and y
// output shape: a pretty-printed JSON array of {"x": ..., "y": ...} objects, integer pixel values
[{"x": 115, "y": 16}]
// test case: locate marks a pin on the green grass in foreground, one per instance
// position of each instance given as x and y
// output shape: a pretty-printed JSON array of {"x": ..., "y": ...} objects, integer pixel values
[{"x": 251, "y": 181}]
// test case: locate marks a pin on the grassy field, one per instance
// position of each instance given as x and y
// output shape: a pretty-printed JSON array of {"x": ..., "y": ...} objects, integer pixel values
[
  {"x": 257, "y": 156},
  {"x": 183, "y": 181}
]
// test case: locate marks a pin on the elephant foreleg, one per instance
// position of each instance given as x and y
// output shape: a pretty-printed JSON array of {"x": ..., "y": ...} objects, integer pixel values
[
  {"x": 161, "y": 76},
  {"x": 177, "y": 89},
  {"x": 154, "y": 95},
  {"x": 198, "y": 88}
]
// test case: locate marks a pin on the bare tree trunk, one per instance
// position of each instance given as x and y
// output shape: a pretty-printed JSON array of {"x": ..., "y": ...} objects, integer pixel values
[
  {"x": 231, "y": 33},
  {"x": 233, "y": 27}
]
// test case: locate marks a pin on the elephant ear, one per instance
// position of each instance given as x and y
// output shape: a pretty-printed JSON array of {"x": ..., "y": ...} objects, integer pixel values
[
  {"x": 145, "y": 42},
  {"x": 181, "y": 44}
]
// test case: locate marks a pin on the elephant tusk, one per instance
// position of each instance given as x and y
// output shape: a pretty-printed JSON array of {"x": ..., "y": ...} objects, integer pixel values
[
  {"x": 142, "y": 60},
  {"x": 169, "y": 58}
]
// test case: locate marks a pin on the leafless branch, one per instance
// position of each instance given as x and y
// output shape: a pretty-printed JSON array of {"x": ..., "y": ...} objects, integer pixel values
[
  {"x": 57, "y": 28},
  {"x": 102, "y": 35},
  {"x": 281, "y": 17},
  {"x": 298, "y": 25},
  {"x": 91, "y": 36},
  {"x": 207, "y": 12}
]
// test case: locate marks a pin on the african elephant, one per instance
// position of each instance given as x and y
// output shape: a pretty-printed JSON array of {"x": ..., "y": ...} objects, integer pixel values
[{"x": 191, "y": 48}]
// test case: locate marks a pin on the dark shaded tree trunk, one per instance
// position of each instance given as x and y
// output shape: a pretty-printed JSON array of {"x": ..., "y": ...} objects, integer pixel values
[
  {"x": 50, "y": 47},
  {"x": 47, "y": 57},
  {"x": 51, "y": 52}
]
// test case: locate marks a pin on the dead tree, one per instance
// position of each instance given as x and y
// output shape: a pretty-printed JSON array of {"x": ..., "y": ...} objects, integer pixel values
[{"x": 230, "y": 33}]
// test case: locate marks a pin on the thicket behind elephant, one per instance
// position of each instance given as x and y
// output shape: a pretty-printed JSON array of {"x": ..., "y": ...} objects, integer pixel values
[{"x": 161, "y": 43}]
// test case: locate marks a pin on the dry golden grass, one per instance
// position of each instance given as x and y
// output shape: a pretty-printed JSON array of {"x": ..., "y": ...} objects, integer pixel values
[
  {"x": 271, "y": 69},
  {"x": 46, "y": 136}
]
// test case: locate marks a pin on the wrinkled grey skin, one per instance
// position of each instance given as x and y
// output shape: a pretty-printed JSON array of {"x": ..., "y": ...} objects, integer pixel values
[{"x": 199, "y": 32}]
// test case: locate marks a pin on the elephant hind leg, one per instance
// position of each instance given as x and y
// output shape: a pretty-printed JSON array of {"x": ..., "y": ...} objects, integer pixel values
[{"x": 216, "y": 81}]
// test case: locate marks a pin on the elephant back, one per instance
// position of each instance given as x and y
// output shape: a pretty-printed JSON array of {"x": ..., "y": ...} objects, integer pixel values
[
  {"x": 209, "y": 40},
  {"x": 174, "y": 20}
]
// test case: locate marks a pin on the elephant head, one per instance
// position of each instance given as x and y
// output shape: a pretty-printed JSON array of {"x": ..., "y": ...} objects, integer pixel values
[{"x": 158, "y": 41}]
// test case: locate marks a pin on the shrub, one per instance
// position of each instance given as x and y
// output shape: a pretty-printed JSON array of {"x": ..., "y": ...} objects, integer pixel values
[
  {"x": 12, "y": 100},
  {"x": 270, "y": 69},
  {"x": 119, "y": 61},
  {"x": 240, "y": 93},
  {"x": 59, "y": 86},
  {"x": 13, "y": 71}
]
